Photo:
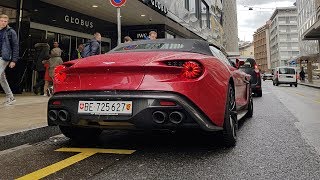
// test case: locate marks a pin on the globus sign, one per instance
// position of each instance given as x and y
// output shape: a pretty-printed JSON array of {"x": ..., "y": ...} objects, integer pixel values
[{"x": 117, "y": 3}]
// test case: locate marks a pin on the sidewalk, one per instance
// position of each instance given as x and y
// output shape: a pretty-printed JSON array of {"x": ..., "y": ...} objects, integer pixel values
[
  {"x": 314, "y": 84},
  {"x": 25, "y": 121}
]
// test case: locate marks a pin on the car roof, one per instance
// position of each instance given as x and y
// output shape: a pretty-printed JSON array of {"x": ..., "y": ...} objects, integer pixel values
[{"x": 189, "y": 45}]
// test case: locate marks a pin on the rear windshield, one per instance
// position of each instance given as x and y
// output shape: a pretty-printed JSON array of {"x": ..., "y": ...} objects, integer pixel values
[
  {"x": 287, "y": 71},
  {"x": 151, "y": 46}
]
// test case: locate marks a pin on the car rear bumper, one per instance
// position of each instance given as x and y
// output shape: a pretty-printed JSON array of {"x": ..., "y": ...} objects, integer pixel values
[{"x": 145, "y": 104}]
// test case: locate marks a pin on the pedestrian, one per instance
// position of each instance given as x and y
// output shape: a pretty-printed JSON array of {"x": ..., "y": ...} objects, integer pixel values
[
  {"x": 9, "y": 53},
  {"x": 55, "y": 59},
  {"x": 42, "y": 50},
  {"x": 127, "y": 39},
  {"x": 302, "y": 75},
  {"x": 92, "y": 47},
  {"x": 47, "y": 78},
  {"x": 153, "y": 35},
  {"x": 77, "y": 54}
]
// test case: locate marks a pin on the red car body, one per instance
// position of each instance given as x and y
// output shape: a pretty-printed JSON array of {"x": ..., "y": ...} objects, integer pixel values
[{"x": 201, "y": 92}]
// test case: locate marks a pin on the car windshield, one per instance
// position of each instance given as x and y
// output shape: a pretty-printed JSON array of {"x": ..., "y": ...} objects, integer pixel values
[{"x": 286, "y": 71}]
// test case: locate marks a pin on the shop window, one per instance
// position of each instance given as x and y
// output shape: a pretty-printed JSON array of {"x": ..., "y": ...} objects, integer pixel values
[{"x": 65, "y": 46}]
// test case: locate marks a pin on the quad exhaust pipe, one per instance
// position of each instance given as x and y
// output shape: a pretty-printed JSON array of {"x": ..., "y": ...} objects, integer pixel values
[
  {"x": 63, "y": 115},
  {"x": 159, "y": 117},
  {"x": 55, "y": 115},
  {"x": 176, "y": 117}
]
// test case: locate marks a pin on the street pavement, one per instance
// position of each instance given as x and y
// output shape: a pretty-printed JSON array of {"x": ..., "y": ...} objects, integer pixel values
[
  {"x": 25, "y": 121},
  {"x": 280, "y": 141}
]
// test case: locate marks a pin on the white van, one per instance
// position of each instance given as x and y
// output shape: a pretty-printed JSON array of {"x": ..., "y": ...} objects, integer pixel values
[{"x": 285, "y": 75}]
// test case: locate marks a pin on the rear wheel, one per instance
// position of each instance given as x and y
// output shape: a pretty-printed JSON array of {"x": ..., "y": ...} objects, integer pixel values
[
  {"x": 290, "y": 85},
  {"x": 80, "y": 134},
  {"x": 230, "y": 125},
  {"x": 250, "y": 108},
  {"x": 296, "y": 85}
]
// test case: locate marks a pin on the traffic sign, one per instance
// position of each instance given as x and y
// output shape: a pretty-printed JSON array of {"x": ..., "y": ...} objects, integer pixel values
[{"x": 117, "y": 3}]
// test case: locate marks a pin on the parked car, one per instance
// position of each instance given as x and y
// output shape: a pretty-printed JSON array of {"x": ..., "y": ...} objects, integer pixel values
[
  {"x": 250, "y": 67},
  {"x": 151, "y": 85},
  {"x": 267, "y": 76},
  {"x": 285, "y": 75}
]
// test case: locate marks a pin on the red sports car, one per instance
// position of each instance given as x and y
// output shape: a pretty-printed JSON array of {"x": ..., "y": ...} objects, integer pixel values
[{"x": 153, "y": 85}]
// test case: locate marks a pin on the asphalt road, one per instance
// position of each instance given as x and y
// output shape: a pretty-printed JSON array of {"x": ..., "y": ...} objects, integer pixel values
[{"x": 277, "y": 143}]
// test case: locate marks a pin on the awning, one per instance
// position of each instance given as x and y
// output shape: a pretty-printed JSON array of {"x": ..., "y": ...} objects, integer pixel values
[
  {"x": 313, "y": 33},
  {"x": 314, "y": 58}
]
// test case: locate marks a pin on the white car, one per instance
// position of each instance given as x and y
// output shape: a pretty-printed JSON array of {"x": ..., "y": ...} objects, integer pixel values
[{"x": 285, "y": 75}]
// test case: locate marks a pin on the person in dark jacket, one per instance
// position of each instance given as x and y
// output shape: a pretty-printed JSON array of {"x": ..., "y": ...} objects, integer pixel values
[
  {"x": 42, "y": 49},
  {"x": 9, "y": 54},
  {"x": 92, "y": 47},
  {"x": 77, "y": 54}
]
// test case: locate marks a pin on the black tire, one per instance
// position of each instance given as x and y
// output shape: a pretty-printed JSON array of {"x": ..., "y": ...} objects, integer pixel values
[
  {"x": 273, "y": 83},
  {"x": 295, "y": 85},
  {"x": 80, "y": 134},
  {"x": 259, "y": 93},
  {"x": 277, "y": 84},
  {"x": 230, "y": 125},
  {"x": 250, "y": 108}
]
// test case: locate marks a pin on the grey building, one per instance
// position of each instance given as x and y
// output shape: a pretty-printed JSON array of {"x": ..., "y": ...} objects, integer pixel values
[
  {"x": 230, "y": 25},
  {"x": 307, "y": 16},
  {"x": 284, "y": 41}
]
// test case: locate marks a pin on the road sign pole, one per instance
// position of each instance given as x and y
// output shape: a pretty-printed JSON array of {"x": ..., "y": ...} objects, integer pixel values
[{"x": 119, "y": 24}]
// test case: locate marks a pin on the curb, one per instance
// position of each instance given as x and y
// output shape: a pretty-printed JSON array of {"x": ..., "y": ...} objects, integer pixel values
[
  {"x": 310, "y": 85},
  {"x": 8, "y": 141}
]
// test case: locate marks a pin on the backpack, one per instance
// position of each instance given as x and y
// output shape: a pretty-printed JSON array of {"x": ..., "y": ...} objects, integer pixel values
[{"x": 87, "y": 49}]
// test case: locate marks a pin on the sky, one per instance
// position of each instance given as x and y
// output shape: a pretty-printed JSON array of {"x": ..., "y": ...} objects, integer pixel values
[{"x": 250, "y": 21}]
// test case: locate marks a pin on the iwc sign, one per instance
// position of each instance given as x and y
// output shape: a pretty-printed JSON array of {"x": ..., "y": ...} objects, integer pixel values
[
  {"x": 157, "y": 5},
  {"x": 78, "y": 21}
]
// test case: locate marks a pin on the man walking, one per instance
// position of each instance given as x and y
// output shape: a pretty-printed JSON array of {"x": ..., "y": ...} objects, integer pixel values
[
  {"x": 92, "y": 47},
  {"x": 9, "y": 52}
]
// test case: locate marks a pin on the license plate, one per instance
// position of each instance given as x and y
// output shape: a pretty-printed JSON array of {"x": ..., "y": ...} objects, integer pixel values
[
  {"x": 289, "y": 77},
  {"x": 105, "y": 107}
]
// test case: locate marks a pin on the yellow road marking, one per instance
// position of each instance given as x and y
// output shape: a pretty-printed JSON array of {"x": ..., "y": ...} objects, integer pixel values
[
  {"x": 89, "y": 150},
  {"x": 83, "y": 154}
]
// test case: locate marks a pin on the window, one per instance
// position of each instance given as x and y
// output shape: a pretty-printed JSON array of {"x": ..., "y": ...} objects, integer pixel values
[
  {"x": 192, "y": 6},
  {"x": 205, "y": 17},
  {"x": 187, "y": 5}
]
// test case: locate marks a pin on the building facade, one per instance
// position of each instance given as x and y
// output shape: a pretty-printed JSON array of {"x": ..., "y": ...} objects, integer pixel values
[
  {"x": 230, "y": 25},
  {"x": 74, "y": 21},
  {"x": 284, "y": 41},
  {"x": 246, "y": 50},
  {"x": 262, "y": 47},
  {"x": 307, "y": 16},
  {"x": 310, "y": 29}
]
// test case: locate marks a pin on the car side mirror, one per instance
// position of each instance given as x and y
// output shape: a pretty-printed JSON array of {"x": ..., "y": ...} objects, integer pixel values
[{"x": 239, "y": 63}]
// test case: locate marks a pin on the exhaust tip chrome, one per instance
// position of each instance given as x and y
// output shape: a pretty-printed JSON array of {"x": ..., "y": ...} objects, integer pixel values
[
  {"x": 63, "y": 115},
  {"x": 53, "y": 115},
  {"x": 159, "y": 117},
  {"x": 176, "y": 117}
]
